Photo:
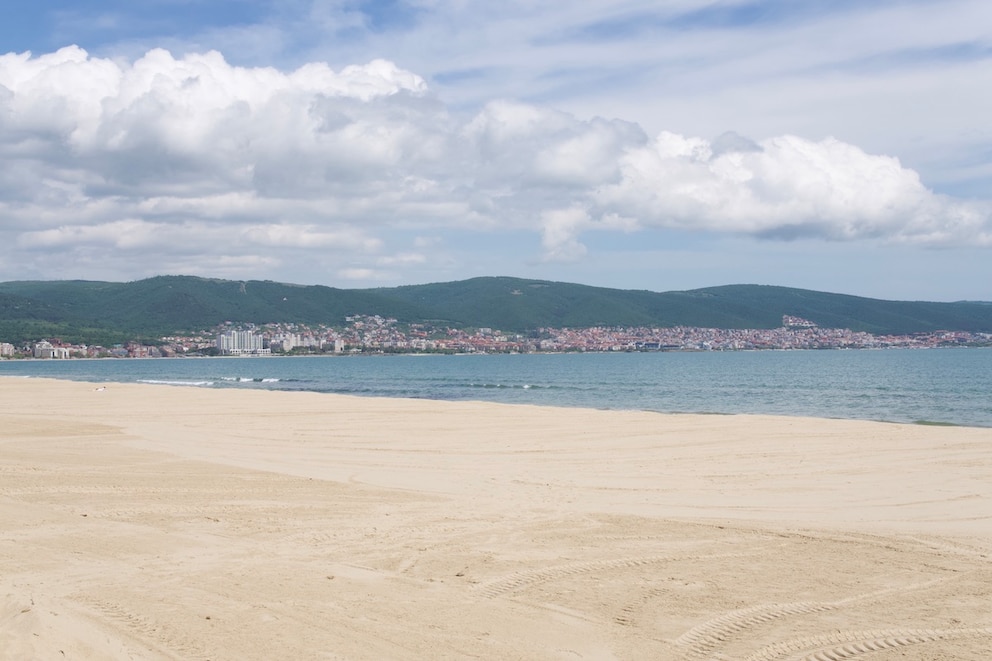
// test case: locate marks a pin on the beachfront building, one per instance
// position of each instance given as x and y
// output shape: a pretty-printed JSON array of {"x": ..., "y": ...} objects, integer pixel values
[
  {"x": 6, "y": 349},
  {"x": 45, "y": 349},
  {"x": 241, "y": 343}
]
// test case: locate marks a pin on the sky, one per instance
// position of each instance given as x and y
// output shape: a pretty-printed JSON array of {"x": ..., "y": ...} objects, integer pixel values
[{"x": 833, "y": 145}]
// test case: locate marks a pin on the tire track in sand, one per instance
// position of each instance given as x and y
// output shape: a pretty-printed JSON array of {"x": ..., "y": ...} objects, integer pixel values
[
  {"x": 842, "y": 645},
  {"x": 524, "y": 579},
  {"x": 703, "y": 639},
  {"x": 145, "y": 630}
]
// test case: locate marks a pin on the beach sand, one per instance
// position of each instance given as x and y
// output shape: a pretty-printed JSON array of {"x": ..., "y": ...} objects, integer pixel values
[{"x": 156, "y": 522}]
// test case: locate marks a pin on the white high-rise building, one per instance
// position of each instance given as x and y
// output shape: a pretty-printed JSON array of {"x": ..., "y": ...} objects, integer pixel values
[
  {"x": 285, "y": 341},
  {"x": 237, "y": 343}
]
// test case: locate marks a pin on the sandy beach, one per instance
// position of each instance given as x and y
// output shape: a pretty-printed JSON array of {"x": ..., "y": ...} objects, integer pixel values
[{"x": 157, "y": 522}]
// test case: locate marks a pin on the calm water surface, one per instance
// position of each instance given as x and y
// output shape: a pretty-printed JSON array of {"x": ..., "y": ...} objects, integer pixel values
[{"x": 951, "y": 386}]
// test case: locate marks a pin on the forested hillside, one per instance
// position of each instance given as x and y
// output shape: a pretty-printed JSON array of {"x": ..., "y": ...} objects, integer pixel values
[{"x": 106, "y": 311}]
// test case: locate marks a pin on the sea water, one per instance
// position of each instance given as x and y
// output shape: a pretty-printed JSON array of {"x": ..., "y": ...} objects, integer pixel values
[{"x": 930, "y": 386}]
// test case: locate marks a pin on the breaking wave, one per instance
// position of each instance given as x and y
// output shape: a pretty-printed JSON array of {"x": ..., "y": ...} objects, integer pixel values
[{"x": 162, "y": 382}]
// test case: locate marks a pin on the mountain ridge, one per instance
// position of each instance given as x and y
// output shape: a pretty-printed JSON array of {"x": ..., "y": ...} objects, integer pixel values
[{"x": 167, "y": 305}]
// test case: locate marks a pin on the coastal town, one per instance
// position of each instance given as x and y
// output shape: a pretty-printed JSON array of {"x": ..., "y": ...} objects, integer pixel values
[{"x": 372, "y": 334}]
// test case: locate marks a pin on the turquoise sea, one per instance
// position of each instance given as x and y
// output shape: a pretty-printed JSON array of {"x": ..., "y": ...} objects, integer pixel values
[{"x": 931, "y": 386}]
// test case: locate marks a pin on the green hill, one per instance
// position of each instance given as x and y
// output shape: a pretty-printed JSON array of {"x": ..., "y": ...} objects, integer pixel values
[
  {"x": 104, "y": 312},
  {"x": 166, "y": 305},
  {"x": 515, "y": 304}
]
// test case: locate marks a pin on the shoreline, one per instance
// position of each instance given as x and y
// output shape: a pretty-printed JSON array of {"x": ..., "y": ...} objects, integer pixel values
[
  {"x": 169, "y": 522},
  {"x": 944, "y": 411}
]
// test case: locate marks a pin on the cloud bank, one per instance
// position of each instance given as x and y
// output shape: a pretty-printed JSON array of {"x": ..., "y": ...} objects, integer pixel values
[{"x": 197, "y": 166}]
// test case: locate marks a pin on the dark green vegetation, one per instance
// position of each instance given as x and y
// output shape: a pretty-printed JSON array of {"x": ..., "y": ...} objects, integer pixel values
[
  {"x": 106, "y": 312},
  {"x": 168, "y": 305}
]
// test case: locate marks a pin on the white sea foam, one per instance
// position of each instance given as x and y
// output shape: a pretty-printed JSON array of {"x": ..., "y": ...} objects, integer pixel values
[
  {"x": 176, "y": 383},
  {"x": 248, "y": 379}
]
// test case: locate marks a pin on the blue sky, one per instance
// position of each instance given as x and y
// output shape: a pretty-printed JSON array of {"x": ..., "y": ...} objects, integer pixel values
[{"x": 840, "y": 146}]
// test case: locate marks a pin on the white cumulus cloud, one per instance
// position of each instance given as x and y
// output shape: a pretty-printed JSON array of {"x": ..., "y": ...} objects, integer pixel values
[
  {"x": 787, "y": 187},
  {"x": 187, "y": 162}
]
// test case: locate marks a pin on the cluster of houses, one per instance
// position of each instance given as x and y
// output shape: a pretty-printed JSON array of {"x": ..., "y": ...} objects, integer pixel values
[
  {"x": 375, "y": 334},
  {"x": 56, "y": 349},
  {"x": 42, "y": 349}
]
